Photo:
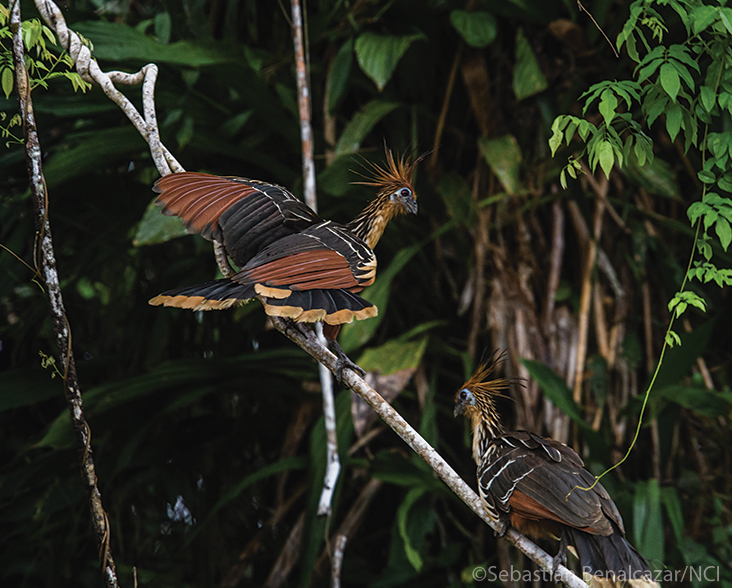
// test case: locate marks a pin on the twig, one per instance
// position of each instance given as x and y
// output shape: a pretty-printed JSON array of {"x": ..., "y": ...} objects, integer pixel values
[
  {"x": 340, "y": 546},
  {"x": 410, "y": 436},
  {"x": 592, "y": 18},
  {"x": 46, "y": 266},
  {"x": 333, "y": 464}
]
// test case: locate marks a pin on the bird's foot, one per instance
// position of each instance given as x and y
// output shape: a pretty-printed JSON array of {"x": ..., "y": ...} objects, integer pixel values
[
  {"x": 501, "y": 528},
  {"x": 560, "y": 559},
  {"x": 344, "y": 363}
]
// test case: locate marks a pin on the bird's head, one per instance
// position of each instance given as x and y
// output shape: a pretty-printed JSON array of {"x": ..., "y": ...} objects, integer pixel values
[
  {"x": 396, "y": 194},
  {"x": 476, "y": 400}
]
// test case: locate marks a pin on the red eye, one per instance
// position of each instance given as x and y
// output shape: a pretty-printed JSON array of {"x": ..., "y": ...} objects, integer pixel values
[
  {"x": 463, "y": 395},
  {"x": 405, "y": 193}
]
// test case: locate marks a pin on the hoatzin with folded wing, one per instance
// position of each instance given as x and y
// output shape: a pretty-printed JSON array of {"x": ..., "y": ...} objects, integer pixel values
[
  {"x": 530, "y": 482},
  {"x": 298, "y": 265}
]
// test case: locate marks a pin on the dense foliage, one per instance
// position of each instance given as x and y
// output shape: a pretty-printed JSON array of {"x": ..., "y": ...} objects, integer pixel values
[{"x": 207, "y": 428}]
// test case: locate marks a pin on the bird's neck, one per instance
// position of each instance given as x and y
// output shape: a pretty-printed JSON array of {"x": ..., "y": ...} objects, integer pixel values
[
  {"x": 369, "y": 225},
  {"x": 486, "y": 427}
]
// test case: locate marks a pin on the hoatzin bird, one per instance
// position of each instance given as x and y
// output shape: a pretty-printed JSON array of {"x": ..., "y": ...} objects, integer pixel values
[
  {"x": 530, "y": 483},
  {"x": 298, "y": 265}
]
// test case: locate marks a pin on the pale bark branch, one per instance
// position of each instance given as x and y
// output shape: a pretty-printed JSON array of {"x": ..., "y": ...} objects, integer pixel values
[{"x": 46, "y": 268}]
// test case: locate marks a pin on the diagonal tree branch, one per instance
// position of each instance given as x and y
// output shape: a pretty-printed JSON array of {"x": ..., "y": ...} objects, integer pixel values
[
  {"x": 166, "y": 163},
  {"x": 46, "y": 268}
]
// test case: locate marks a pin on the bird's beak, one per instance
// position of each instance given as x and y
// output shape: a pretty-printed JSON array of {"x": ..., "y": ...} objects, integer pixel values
[
  {"x": 412, "y": 205},
  {"x": 458, "y": 410}
]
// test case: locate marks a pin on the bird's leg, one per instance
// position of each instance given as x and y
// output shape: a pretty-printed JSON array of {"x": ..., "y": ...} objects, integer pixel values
[
  {"x": 502, "y": 528},
  {"x": 343, "y": 362},
  {"x": 561, "y": 557}
]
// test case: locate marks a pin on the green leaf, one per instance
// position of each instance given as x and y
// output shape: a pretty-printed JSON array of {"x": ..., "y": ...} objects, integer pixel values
[
  {"x": 673, "y": 120},
  {"x": 528, "y": 78},
  {"x": 608, "y": 104},
  {"x": 361, "y": 124},
  {"x": 702, "y": 16},
  {"x": 724, "y": 232},
  {"x": 702, "y": 401},
  {"x": 7, "y": 81},
  {"x": 695, "y": 210},
  {"x": 378, "y": 55},
  {"x": 163, "y": 27},
  {"x": 93, "y": 152},
  {"x": 670, "y": 82},
  {"x": 402, "y": 516},
  {"x": 393, "y": 356},
  {"x": 119, "y": 42},
  {"x": 672, "y": 504},
  {"x": 339, "y": 75},
  {"x": 504, "y": 158},
  {"x": 706, "y": 177},
  {"x": 647, "y": 520},
  {"x": 478, "y": 28},
  {"x": 606, "y": 156},
  {"x": 155, "y": 227},
  {"x": 708, "y": 98}
]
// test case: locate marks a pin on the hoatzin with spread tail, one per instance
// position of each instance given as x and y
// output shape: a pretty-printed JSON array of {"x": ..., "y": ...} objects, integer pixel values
[
  {"x": 530, "y": 482},
  {"x": 298, "y": 265}
]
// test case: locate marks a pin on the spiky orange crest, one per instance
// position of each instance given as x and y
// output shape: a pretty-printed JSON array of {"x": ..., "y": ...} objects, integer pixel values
[
  {"x": 481, "y": 386},
  {"x": 396, "y": 174}
]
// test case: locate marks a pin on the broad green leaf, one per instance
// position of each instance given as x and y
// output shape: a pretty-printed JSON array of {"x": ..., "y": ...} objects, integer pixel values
[
  {"x": 393, "y": 356},
  {"x": 93, "y": 152},
  {"x": 119, "y": 42},
  {"x": 361, "y": 124},
  {"x": 724, "y": 232},
  {"x": 7, "y": 81},
  {"x": 608, "y": 104},
  {"x": 528, "y": 78},
  {"x": 504, "y": 158},
  {"x": 339, "y": 74},
  {"x": 378, "y": 55},
  {"x": 706, "y": 177},
  {"x": 606, "y": 156},
  {"x": 702, "y": 16},
  {"x": 708, "y": 98},
  {"x": 673, "y": 120},
  {"x": 672, "y": 504},
  {"x": 670, "y": 82},
  {"x": 402, "y": 515},
  {"x": 163, "y": 27},
  {"x": 647, "y": 520},
  {"x": 477, "y": 28},
  {"x": 725, "y": 15},
  {"x": 702, "y": 401},
  {"x": 155, "y": 227}
]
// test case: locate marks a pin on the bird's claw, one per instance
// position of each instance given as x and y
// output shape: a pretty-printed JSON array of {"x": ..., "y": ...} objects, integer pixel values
[
  {"x": 344, "y": 363},
  {"x": 560, "y": 559},
  {"x": 501, "y": 529}
]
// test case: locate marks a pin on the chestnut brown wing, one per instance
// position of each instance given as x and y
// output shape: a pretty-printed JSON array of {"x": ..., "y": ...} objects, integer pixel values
[{"x": 245, "y": 215}]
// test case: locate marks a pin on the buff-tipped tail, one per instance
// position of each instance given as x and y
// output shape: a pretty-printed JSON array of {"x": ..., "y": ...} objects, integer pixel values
[{"x": 216, "y": 295}]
